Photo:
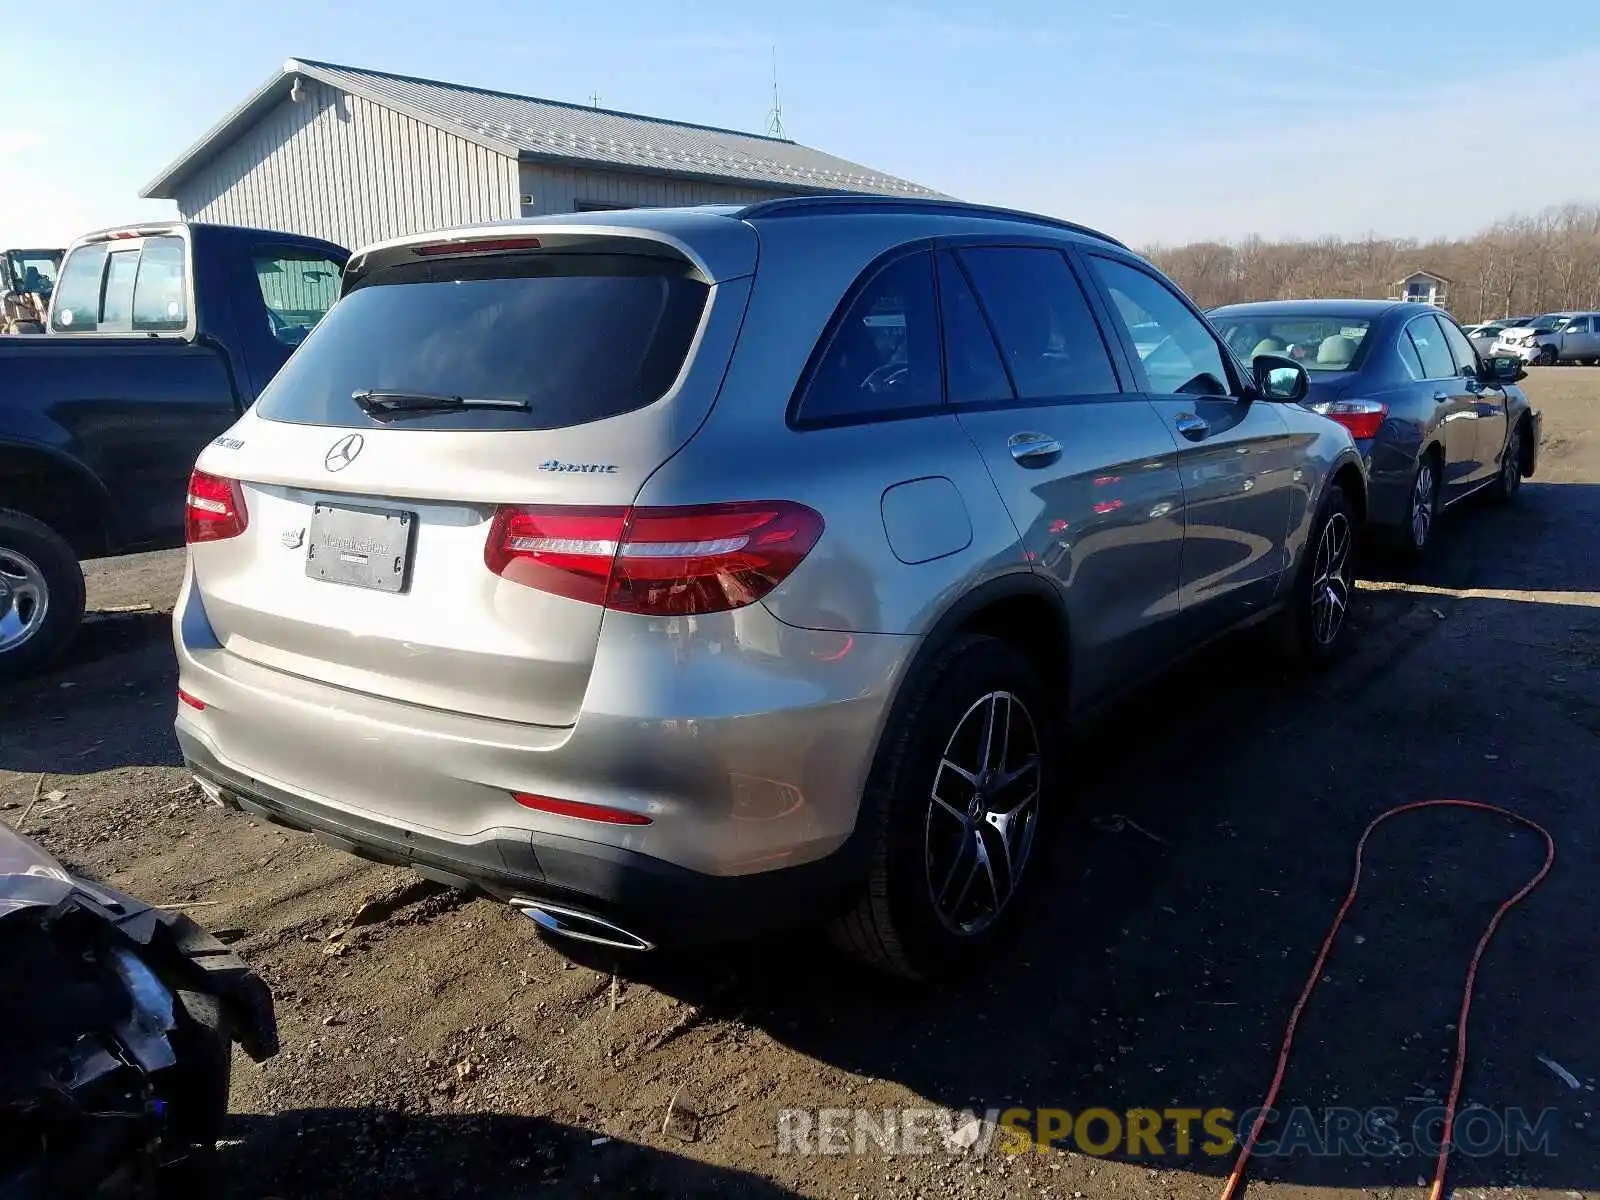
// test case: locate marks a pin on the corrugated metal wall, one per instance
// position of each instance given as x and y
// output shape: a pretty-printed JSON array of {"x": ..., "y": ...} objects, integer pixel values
[
  {"x": 562, "y": 189},
  {"x": 336, "y": 166}
]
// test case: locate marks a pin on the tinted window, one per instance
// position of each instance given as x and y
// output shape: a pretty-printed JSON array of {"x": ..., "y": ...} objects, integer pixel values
[
  {"x": 1408, "y": 356},
  {"x": 159, "y": 299},
  {"x": 116, "y": 309},
  {"x": 1318, "y": 343},
  {"x": 884, "y": 355},
  {"x": 1437, "y": 361},
  {"x": 974, "y": 373},
  {"x": 578, "y": 337},
  {"x": 1466, "y": 358},
  {"x": 77, "y": 299},
  {"x": 297, "y": 287},
  {"x": 1178, "y": 352},
  {"x": 1051, "y": 343}
]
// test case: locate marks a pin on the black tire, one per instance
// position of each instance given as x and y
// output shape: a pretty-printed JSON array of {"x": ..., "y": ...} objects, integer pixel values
[
  {"x": 897, "y": 925},
  {"x": 1547, "y": 356},
  {"x": 196, "y": 1093},
  {"x": 1302, "y": 633},
  {"x": 1410, "y": 544},
  {"x": 1508, "y": 482},
  {"x": 34, "y": 558}
]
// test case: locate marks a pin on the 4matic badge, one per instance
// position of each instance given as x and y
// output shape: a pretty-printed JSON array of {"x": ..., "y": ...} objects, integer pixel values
[{"x": 555, "y": 464}]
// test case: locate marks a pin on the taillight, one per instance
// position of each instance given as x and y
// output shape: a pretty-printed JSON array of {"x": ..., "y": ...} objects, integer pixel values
[
  {"x": 1363, "y": 418},
  {"x": 657, "y": 561},
  {"x": 580, "y": 809},
  {"x": 215, "y": 509},
  {"x": 193, "y": 702}
]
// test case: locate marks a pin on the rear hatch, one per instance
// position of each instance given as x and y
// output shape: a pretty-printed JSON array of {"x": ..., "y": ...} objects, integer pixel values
[{"x": 453, "y": 386}]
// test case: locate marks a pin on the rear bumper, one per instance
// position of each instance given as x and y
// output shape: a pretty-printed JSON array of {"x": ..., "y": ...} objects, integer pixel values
[{"x": 664, "y": 904}]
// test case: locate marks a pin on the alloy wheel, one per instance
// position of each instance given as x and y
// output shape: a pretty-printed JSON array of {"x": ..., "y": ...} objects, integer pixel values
[
  {"x": 983, "y": 812},
  {"x": 1422, "y": 496},
  {"x": 1331, "y": 579},
  {"x": 1511, "y": 464},
  {"x": 24, "y": 599}
]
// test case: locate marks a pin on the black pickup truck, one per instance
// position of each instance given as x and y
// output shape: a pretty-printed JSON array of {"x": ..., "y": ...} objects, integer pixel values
[{"x": 159, "y": 336}]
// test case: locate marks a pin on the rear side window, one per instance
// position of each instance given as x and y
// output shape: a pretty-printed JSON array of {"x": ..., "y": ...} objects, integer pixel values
[
  {"x": 577, "y": 337},
  {"x": 160, "y": 301},
  {"x": 76, "y": 306},
  {"x": 298, "y": 287},
  {"x": 974, "y": 373},
  {"x": 1408, "y": 356},
  {"x": 1051, "y": 343},
  {"x": 883, "y": 357},
  {"x": 1466, "y": 358},
  {"x": 1426, "y": 336}
]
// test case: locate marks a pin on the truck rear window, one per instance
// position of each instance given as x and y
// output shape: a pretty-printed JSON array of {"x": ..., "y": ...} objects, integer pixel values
[{"x": 576, "y": 337}]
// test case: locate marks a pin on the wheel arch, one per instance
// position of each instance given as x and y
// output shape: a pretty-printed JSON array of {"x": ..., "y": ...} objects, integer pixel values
[{"x": 59, "y": 492}]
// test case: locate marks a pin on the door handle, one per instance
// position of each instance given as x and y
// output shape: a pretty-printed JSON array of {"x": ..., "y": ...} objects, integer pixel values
[
  {"x": 1441, "y": 396},
  {"x": 1033, "y": 449},
  {"x": 1192, "y": 427}
]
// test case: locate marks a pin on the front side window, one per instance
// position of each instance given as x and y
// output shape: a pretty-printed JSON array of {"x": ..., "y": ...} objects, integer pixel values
[
  {"x": 1428, "y": 338},
  {"x": 76, "y": 308},
  {"x": 160, "y": 300},
  {"x": 1176, "y": 350},
  {"x": 884, "y": 355},
  {"x": 298, "y": 287},
  {"x": 1042, "y": 319},
  {"x": 1461, "y": 351}
]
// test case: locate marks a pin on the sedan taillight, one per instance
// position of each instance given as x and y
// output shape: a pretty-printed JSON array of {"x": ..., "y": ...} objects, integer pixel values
[
  {"x": 215, "y": 509},
  {"x": 1363, "y": 418},
  {"x": 657, "y": 561}
]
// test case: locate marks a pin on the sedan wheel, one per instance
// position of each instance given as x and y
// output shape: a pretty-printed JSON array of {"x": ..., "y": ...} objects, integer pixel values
[
  {"x": 1424, "y": 495},
  {"x": 1509, "y": 481},
  {"x": 24, "y": 599}
]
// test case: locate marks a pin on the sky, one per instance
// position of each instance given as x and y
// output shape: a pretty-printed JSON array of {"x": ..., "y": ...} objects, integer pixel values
[{"x": 1159, "y": 121}]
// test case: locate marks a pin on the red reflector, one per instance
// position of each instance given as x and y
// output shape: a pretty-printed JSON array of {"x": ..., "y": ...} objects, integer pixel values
[
  {"x": 656, "y": 561},
  {"x": 192, "y": 702},
  {"x": 1363, "y": 418},
  {"x": 215, "y": 509},
  {"x": 482, "y": 246},
  {"x": 580, "y": 810}
]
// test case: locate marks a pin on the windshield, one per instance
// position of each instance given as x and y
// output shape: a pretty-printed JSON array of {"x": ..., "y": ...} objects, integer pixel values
[
  {"x": 1317, "y": 343},
  {"x": 1548, "y": 321},
  {"x": 34, "y": 270}
]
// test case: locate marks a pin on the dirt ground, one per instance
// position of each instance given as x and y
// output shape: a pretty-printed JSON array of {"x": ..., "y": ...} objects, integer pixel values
[{"x": 435, "y": 1046}]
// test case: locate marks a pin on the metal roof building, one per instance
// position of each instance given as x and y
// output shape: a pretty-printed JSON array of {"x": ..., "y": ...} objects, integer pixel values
[{"x": 356, "y": 156}]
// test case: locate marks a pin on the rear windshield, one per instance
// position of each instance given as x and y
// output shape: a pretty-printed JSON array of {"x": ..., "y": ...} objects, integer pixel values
[
  {"x": 577, "y": 337},
  {"x": 1321, "y": 343}
]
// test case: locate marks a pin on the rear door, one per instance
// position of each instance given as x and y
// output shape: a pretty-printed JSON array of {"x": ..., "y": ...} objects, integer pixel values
[
  {"x": 543, "y": 381},
  {"x": 1235, "y": 455},
  {"x": 1488, "y": 401},
  {"x": 1086, "y": 467},
  {"x": 1455, "y": 398}
]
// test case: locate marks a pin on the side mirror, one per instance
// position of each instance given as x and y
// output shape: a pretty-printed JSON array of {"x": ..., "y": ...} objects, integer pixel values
[
  {"x": 1279, "y": 378},
  {"x": 1504, "y": 368}
]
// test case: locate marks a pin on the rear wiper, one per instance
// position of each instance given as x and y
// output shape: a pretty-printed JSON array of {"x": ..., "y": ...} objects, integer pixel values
[{"x": 383, "y": 404}]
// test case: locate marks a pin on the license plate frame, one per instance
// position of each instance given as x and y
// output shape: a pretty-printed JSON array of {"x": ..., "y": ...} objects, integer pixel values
[{"x": 360, "y": 546}]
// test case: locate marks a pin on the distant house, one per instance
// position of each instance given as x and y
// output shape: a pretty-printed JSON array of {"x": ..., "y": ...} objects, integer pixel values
[
  {"x": 357, "y": 156},
  {"x": 1423, "y": 287}
]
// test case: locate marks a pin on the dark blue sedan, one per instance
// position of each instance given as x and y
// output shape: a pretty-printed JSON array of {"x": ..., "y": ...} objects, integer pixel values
[{"x": 1434, "y": 421}]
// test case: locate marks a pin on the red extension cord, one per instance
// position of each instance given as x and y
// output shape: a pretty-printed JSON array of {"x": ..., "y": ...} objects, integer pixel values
[{"x": 1237, "y": 1176}]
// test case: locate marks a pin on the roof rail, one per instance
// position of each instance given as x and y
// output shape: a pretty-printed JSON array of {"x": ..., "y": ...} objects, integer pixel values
[{"x": 855, "y": 205}]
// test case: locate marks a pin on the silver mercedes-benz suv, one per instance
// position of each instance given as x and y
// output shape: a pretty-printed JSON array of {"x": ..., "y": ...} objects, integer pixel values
[{"x": 671, "y": 574}]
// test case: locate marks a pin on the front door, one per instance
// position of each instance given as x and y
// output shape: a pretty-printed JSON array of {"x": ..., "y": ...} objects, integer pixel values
[
  {"x": 1086, "y": 468},
  {"x": 1456, "y": 399},
  {"x": 1235, "y": 455}
]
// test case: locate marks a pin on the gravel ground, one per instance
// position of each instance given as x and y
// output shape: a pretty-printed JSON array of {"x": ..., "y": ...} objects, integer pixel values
[{"x": 435, "y": 1046}]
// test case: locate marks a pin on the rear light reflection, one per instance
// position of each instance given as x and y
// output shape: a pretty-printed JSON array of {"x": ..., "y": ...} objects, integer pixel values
[
  {"x": 580, "y": 810},
  {"x": 655, "y": 561},
  {"x": 194, "y": 703},
  {"x": 215, "y": 509}
]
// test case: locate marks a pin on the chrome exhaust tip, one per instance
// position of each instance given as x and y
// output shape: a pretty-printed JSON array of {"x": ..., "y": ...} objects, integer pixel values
[{"x": 580, "y": 926}]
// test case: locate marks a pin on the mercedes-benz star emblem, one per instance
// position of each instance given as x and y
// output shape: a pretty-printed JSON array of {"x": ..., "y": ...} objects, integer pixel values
[{"x": 344, "y": 452}]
